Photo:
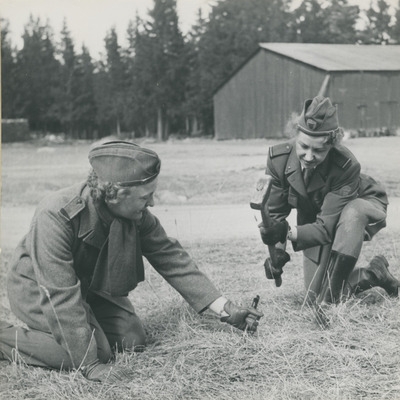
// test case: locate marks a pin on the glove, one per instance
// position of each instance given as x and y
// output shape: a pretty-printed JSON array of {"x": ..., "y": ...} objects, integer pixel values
[
  {"x": 99, "y": 372},
  {"x": 277, "y": 232},
  {"x": 241, "y": 317},
  {"x": 275, "y": 271}
]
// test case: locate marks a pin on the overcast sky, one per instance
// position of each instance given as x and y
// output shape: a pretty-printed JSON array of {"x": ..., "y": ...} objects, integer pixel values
[{"x": 89, "y": 20}]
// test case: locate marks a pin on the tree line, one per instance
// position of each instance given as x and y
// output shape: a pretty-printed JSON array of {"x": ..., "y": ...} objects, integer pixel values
[{"x": 162, "y": 82}]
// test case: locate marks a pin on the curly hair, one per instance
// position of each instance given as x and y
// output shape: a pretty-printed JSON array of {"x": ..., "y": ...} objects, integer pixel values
[
  {"x": 101, "y": 191},
  {"x": 335, "y": 138}
]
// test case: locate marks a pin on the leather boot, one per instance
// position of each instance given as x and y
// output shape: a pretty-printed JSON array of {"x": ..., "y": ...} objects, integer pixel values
[
  {"x": 339, "y": 268},
  {"x": 376, "y": 274},
  {"x": 333, "y": 284}
]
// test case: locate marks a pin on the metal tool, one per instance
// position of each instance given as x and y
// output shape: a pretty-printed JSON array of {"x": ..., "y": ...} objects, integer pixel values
[{"x": 259, "y": 202}]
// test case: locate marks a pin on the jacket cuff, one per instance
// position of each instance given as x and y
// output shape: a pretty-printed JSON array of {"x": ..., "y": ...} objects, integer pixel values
[{"x": 202, "y": 304}]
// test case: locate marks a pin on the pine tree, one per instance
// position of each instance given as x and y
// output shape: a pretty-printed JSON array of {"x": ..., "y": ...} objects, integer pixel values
[
  {"x": 39, "y": 73},
  {"x": 168, "y": 70},
  {"x": 342, "y": 19},
  {"x": 135, "y": 103},
  {"x": 84, "y": 107},
  {"x": 395, "y": 30},
  {"x": 378, "y": 29},
  {"x": 9, "y": 78},
  {"x": 231, "y": 34},
  {"x": 326, "y": 22},
  {"x": 192, "y": 105},
  {"x": 66, "y": 96},
  {"x": 116, "y": 77}
]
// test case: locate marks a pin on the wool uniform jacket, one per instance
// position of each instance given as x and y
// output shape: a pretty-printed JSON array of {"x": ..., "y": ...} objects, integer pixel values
[
  {"x": 334, "y": 183},
  {"x": 53, "y": 265}
]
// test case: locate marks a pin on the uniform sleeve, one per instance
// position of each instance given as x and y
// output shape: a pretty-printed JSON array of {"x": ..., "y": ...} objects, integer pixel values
[
  {"x": 50, "y": 247},
  {"x": 344, "y": 189},
  {"x": 175, "y": 265},
  {"x": 278, "y": 206}
]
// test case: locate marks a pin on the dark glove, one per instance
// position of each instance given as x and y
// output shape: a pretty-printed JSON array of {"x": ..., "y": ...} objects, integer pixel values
[
  {"x": 99, "y": 372},
  {"x": 277, "y": 232},
  {"x": 241, "y": 317},
  {"x": 275, "y": 271}
]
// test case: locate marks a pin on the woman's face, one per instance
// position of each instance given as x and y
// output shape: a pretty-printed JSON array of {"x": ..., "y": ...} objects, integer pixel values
[
  {"x": 131, "y": 202},
  {"x": 311, "y": 150}
]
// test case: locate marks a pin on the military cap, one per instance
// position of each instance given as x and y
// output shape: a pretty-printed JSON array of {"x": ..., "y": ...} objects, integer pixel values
[
  {"x": 124, "y": 163},
  {"x": 319, "y": 117}
]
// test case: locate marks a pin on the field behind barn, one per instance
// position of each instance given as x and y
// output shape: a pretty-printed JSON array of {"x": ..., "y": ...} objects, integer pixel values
[{"x": 204, "y": 191}]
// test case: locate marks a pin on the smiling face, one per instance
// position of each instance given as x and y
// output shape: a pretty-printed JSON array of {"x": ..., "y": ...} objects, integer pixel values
[
  {"x": 131, "y": 202},
  {"x": 311, "y": 150}
]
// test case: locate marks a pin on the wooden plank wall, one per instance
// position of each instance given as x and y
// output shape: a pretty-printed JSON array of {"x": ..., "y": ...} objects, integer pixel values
[
  {"x": 260, "y": 98},
  {"x": 367, "y": 100},
  {"x": 258, "y": 101}
]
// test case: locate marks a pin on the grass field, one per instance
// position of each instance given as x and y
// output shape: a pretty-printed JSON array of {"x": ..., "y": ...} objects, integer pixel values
[{"x": 196, "y": 357}]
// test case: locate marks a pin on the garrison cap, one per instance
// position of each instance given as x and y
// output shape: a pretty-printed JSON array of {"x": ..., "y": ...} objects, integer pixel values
[
  {"x": 124, "y": 163},
  {"x": 319, "y": 117}
]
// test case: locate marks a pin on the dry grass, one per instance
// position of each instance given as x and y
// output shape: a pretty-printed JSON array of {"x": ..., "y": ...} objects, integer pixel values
[{"x": 197, "y": 357}]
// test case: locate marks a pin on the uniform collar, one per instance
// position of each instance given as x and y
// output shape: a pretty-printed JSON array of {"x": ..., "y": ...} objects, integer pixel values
[
  {"x": 293, "y": 172},
  {"x": 91, "y": 229}
]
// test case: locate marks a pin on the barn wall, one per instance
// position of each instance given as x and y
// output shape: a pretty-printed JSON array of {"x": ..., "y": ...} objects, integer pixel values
[
  {"x": 259, "y": 99},
  {"x": 367, "y": 100}
]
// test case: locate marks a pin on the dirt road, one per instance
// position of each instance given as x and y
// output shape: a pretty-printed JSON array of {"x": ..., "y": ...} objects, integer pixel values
[{"x": 186, "y": 222}]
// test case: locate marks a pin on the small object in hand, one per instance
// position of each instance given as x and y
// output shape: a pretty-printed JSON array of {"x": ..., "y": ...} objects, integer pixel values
[
  {"x": 253, "y": 319},
  {"x": 241, "y": 317},
  {"x": 275, "y": 271}
]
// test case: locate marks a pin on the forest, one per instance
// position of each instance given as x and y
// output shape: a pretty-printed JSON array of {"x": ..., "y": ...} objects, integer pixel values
[{"x": 162, "y": 82}]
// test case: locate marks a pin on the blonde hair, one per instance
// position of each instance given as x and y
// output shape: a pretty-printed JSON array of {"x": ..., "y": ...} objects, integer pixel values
[{"x": 101, "y": 191}]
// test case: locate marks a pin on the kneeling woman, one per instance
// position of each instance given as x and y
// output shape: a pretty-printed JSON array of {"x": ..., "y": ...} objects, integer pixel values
[{"x": 337, "y": 209}]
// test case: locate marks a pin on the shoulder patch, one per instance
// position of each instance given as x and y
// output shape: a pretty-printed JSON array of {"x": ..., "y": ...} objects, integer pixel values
[
  {"x": 280, "y": 149},
  {"x": 340, "y": 159},
  {"x": 73, "y": 207}
]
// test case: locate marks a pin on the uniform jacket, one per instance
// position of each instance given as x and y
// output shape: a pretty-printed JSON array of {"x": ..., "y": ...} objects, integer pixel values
[
  {"x": 53, "y": 266},
  {"x": 335, "y": 182}
]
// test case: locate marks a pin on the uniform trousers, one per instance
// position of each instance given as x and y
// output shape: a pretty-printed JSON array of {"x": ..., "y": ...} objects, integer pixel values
[
  {"x": 114, "y": 329},
  {"x": 350, "y": 233}
]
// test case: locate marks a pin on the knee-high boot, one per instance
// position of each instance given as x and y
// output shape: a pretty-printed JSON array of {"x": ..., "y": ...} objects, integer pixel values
[
  {"x": 333, "y": 284},
  {"x": 375, "y": 274},
  {"x": 339, "y": 268}
]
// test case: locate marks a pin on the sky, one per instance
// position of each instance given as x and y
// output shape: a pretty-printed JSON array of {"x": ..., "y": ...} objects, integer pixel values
[{"x": 89, "y": 20}]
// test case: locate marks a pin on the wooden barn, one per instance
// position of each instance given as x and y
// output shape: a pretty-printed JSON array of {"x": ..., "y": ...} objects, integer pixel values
[{"x": 262, "y": 97}]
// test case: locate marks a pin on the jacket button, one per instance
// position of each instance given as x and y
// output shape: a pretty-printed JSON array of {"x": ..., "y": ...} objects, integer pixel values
[{"x": 79, "y": 201}]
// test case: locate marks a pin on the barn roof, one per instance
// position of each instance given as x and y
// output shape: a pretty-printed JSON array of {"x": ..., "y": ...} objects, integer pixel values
[{"x": 340, "y": 57}]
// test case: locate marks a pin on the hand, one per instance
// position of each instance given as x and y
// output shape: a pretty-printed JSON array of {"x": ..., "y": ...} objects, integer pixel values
[
  {"x": 99, "y": 372},
  {"x": 277, "y": 232},
  {"x": 241, "y": 317},
  {"x": 275, "y": 271}
]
